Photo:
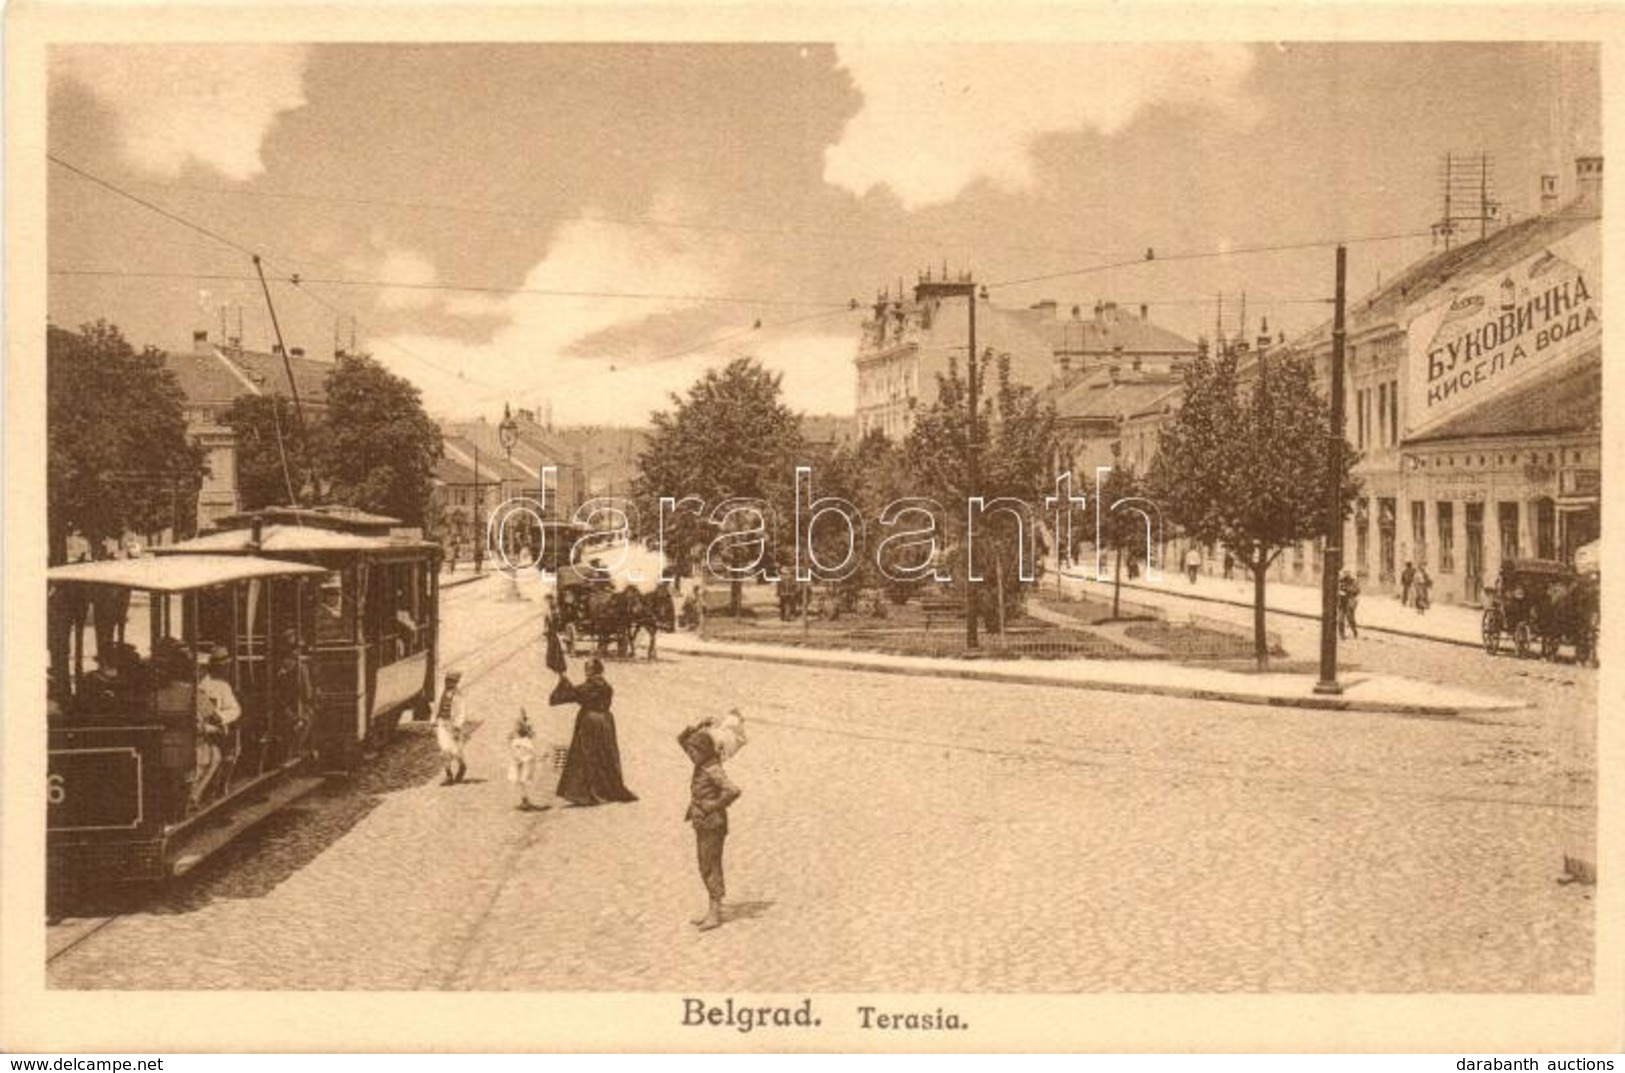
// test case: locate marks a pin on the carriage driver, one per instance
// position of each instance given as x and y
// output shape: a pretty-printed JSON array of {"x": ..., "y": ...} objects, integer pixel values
[{"x": 217, "y": 715}]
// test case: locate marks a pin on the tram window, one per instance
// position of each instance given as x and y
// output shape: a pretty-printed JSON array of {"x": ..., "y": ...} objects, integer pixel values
[
  {"x": 400, "y": 618},
  {"x": 335, "y": 611},
  {"x": 112, "y": 669}
]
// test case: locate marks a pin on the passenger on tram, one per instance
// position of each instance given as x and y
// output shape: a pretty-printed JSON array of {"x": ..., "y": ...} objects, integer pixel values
[
  {"x": 174, "y": 702},
  {"x": 295, "y": 697},
  {"x": 119, "y": 681},
  {"x": 217, "y": 715}
]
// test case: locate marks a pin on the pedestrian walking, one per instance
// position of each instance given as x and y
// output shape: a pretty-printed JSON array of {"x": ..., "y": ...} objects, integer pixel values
[
  {"x": 1193, "y": 562},
  {"x": 710, "y": 794},
  {"x": 1229, "y": 564},
  {"x": 1348, "y": 602},
  {"x": 1407, "y": 578},
  {"x": 522, "y": 759},
  {"x": 449, "y": 729},
  {"x": 453, "y": 555},
  {"x": 1424, "y": 590}
]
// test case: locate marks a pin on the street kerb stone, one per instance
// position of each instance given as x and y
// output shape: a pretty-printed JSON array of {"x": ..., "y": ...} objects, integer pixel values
[{"x": 1376, "y": 694}]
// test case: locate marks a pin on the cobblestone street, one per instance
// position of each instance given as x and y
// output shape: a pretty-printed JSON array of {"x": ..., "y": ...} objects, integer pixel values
[{"x": 905, "y": 833}]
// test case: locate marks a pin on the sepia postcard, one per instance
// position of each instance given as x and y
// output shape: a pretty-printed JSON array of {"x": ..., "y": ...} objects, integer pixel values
[{"x": 760, "y": 528}]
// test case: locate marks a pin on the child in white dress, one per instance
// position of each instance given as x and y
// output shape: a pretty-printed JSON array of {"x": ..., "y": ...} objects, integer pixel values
[{"x": 522, "y": 759}]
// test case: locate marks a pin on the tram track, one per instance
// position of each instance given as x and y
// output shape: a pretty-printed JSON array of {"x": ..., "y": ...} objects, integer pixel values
[{"x": 474, "y": 670}]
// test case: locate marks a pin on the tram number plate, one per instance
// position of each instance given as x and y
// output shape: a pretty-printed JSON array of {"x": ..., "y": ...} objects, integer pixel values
[{"x": 94, "y": 789}]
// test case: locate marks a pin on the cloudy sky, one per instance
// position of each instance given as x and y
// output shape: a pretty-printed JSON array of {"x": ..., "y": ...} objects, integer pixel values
[{"x": 595, "y": 224}]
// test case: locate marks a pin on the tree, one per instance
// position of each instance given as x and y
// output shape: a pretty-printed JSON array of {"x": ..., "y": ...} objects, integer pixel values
[
  {"x": 1249, "y": 469},
  {"x": 869, "y": 474},
  {"x": 1015, "y": 437},
  {"x": 270, "y": 459},
  {"x": 1127, "y": 522},
  {"x": 118, "y": 456},
  {"x": 730, "y": 437},
  {"x": 377, "y": 448}
]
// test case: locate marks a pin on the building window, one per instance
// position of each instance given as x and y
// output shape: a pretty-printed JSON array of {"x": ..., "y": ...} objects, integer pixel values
[
  {"x": 1393, "y": 411},
  {"x": 1362, "y": 536},
  {"x": 1419, "y": 532},
  {"x": 1445, "y": 512},
  {"x": 1359, "y": 414},
  {"x": 1382, "y": 414},
  {"x": 1386, "y": 509},
  {"x": 1506, "y": 519},
  {"x": 1545, "y": 529}
]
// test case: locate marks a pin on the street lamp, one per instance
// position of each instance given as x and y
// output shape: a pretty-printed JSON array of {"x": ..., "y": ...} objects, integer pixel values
[{"x": 508, "y": 433}]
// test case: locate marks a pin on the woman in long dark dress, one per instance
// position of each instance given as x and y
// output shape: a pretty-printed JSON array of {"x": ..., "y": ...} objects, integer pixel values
[{"x": 592, "y": 772}]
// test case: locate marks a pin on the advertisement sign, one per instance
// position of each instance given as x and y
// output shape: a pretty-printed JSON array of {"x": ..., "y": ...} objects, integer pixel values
[{"x": 1501, "y": 328}]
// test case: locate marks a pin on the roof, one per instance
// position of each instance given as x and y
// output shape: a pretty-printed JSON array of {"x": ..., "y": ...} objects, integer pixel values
[
  {"x": 177, "y": 572},
  {"x": 285, "y": 540},
  {"x": 1564, "y": 399},
  {"x": 1098, "y": 396},
  {"x": 494, "y": 467},
  {"x": 1114, "y": 328},
  {"x": 218, "y": 375}
]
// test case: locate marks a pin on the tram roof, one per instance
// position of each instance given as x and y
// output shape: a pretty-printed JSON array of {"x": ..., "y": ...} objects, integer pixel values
[
  {"x": 177, "y": 573},
  {"x": 288, "y": 539},
  {"x": 332, "y": 516}
]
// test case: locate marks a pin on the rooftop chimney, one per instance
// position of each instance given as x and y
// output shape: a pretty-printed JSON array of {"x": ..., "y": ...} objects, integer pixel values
[
  {"x": 276, "y": 349},
  {"x": 1588, "y": 173},
  {"x": 1145, "y": 312},
  {"x": 297, "y": 352},
  {"x": 1046, "y": 306},
  {"x": 1548, "y": 194},
  {"x": 1077, "y": 311},
  {"x": 200, "y": 343}
]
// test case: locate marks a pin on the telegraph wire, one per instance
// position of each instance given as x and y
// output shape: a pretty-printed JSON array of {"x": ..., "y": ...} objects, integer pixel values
[
  {"x": 619, "y": 221},
  {"x": 1151, "y": 256},
  {"x": 825, "y": 308}
]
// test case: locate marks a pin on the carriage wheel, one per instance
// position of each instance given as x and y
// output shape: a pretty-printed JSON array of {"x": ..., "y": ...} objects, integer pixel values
[
  {"x": 1492, "y": 632},
  {"x": 1521, "y": 638}
]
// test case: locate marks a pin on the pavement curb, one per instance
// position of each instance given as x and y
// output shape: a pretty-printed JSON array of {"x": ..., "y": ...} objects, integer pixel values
[
  {"x": 457, "y": 582},
  {"x": 1009, "y": 677},
  {"x": 1227, "y": 602}
]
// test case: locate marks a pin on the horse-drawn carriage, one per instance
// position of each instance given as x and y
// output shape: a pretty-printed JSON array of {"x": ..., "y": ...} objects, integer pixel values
[
  {"x": 596, "y": 606},
  {"x": 1544, "y": 604}
]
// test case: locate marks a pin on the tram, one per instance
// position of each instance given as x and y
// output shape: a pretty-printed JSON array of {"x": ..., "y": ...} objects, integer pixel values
[
  {"x": 373, "y": 624},
  {"x": 195, "y": 691}
]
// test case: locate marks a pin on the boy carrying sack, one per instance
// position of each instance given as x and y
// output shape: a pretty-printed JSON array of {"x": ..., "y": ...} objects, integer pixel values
[{"x": 707, "y": 744}]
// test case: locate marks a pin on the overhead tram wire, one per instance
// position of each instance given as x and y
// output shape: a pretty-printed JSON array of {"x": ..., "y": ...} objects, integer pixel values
[
  {"x": 618, "y": 221},
  {"x": 1152, "y": 257},
  {"x": 301, "y": 284}
]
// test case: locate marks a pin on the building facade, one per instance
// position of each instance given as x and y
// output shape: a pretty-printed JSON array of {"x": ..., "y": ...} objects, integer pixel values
[
  {"x": 909, "y": 340},
  {"x": 212, "y": 376}
]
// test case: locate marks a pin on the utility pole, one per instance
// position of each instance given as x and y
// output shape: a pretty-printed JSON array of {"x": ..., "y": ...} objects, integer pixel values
[
  {"x": 972, "y": 467},
  {"x": 1332, "y": 561}
]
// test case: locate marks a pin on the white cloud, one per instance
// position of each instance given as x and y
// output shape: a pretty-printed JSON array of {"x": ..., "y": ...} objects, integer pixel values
[
  {"x": 397, "y": 265},
  {"x": 529, "y": 358},
  {"x": 936, "y": 118},
  {"x": 212, "y": 104}
]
